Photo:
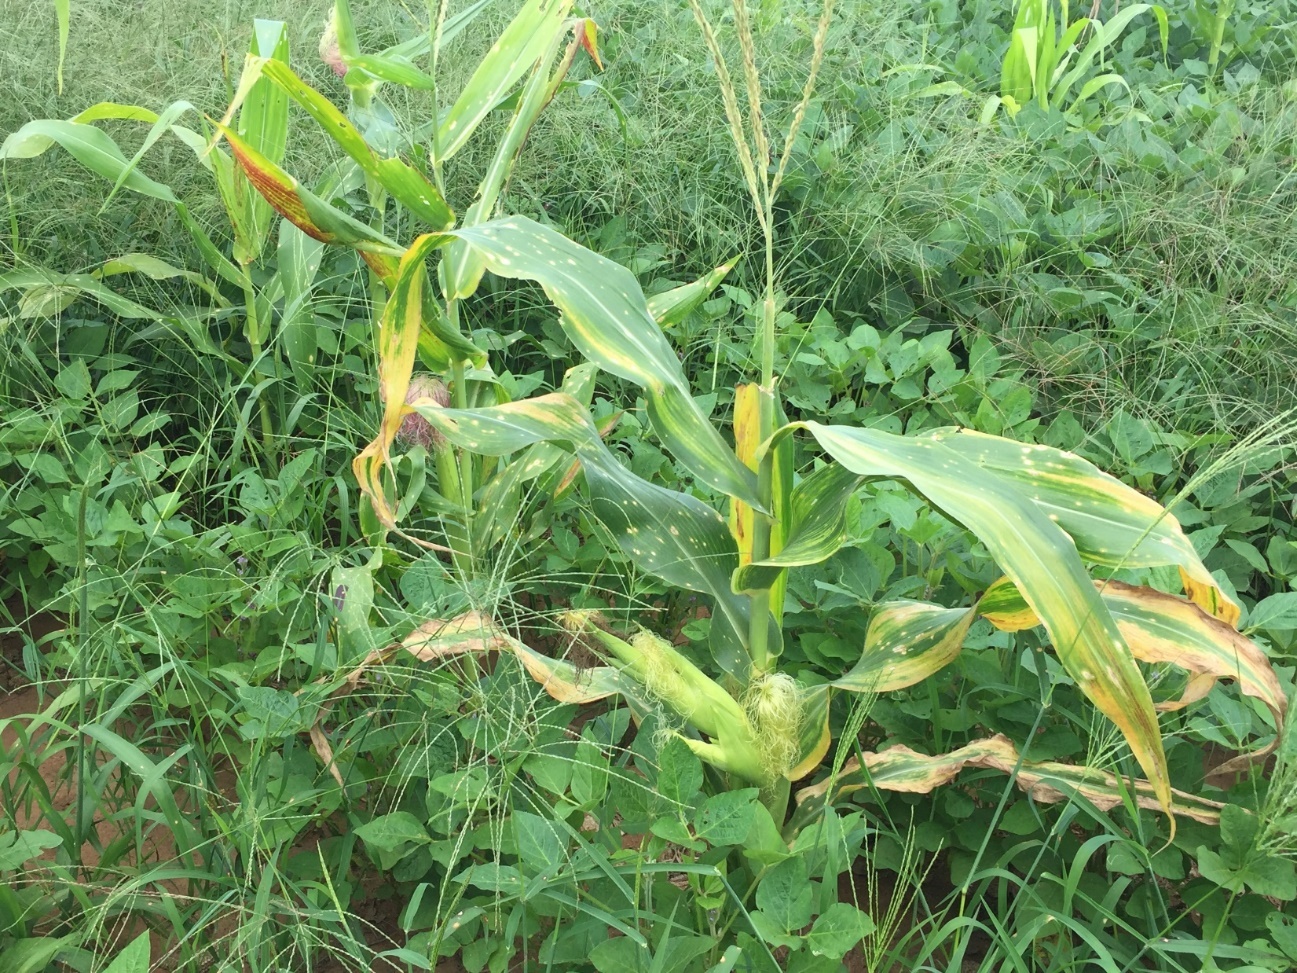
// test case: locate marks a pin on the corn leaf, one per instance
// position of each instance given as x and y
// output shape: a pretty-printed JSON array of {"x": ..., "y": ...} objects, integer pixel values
[
  {"x": 907, "y": 641},
  {"x": 473, "y": 633},
  {"x": 55, "y": 291},
  {"x": 88, "y": 145},
  {"x": 1110, "y": 523},
  {"x": 671, "y": 307},
  {"x": 407, "y": 185},
  {"x": 1104, "y": 35},
  {"x": 605, "y": 315},
  {"x": 1037, "y": 555},
  {"x": 817, "y": 527},
  {"x": 398, "y": 343},
  {"x": 671, "y": 535},
  {"x": 1164, "y": 629},
  {"x": 902, "y": 769},
  {"x": 519, "y": 47},
  {"x": 299, "y": 261},
  {"x": 463, "y": 268},
  {"x": 310, "y": 214},
  {"x": 263, "y": 124}
]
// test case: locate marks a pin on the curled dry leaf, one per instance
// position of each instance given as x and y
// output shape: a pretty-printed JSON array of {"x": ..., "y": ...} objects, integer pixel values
[{"x": 902, "y": 769}]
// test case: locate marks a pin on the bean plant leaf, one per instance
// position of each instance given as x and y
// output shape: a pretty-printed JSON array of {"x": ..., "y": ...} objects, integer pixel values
[
  {"x": 840, "y": 927},
  {"x": 134, "y": 957},
  {"x": 1037, "y": 555},
  {"x": 1111, "y": 524},
  {"x": 606, "y": 316},
  {"x": 902, "y": 769}
]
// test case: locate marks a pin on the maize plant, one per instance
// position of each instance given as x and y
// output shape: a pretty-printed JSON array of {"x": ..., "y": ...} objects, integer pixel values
[
  {"x": 1045, "y": 62},
  {"x": 1046, "y": 516}
]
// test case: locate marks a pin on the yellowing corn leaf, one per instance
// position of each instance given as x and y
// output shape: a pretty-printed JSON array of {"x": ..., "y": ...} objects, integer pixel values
[
  {"x": 474, "y": 633},
  {"x": 1110, "y": 523},
  {"x": 902, "y": 769},
  {"x": 1039, "y": 557},
  {"x": 604, "y": 312},
  {"x": 1161, "y": 628},
  {"x": 747, "y": 437},
  {"x": 310, "y": 214},
  {"x": 814, "y": 735},
  {"x": 398, "y": 343},
  {"x": 907, "y": 642}
]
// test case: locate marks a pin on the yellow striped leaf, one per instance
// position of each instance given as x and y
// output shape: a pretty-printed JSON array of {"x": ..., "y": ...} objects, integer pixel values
[
  {"x": 907, "y": 642},
  {"x": 814, "y": 735},
  {"x": 1039, "y": 557},
  {"x": 1164, "y": 629},
  {"x": 474, "y": 633},
  {"x": 310, "y": 214},
  {"x": 398, "y": 343},
  {"x": 1111, "y": 524}
]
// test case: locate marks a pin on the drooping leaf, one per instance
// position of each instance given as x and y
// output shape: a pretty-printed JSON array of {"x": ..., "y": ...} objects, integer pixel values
[
  {"x": 310, "y": 214},
  {"x": 605, "y": 315},
  {"x": 91, "y": 147},
  {"x": 907, "y": 642},
  {"x": 902, "y": 769},
  {"x": 1039, "y": 557},
  {"x": 398, "y": 342},
  {"x": 53, "y": 292},
  {"x": 1110, "y": 523},
  {"x": 672, "y": 535},
  {"x": 1164, "y": 629}
]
